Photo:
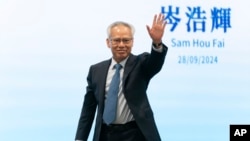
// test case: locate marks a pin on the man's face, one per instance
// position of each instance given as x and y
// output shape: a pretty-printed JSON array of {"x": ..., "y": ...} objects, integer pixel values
[{"x": 120, "y": 42}]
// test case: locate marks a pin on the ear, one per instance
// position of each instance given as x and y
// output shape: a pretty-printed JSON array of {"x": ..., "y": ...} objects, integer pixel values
[{"x": 108, "y": 43}]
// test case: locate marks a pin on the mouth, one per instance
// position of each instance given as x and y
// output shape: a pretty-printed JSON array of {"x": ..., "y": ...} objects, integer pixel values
[{"x": 121, "y": 51}]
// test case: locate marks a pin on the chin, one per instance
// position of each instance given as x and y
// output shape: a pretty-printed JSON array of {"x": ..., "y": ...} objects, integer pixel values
[
  {"x": 124, "y": 56},
  {"x": 121, "y": 57}
]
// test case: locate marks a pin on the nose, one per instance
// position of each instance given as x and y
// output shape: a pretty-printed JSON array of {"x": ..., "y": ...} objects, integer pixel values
[{"x": 121, "y": 43}]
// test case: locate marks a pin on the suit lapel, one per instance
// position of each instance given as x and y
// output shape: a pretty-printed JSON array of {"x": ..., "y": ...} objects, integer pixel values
[
  {"x": 129, "y": 67},
  {"x": 102, "y": 80}
]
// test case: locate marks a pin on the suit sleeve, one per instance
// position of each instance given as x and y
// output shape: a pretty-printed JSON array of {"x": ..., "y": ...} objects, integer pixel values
[
  {"x": 88, "y": 111},
  {"x": 154, "y": 61}
]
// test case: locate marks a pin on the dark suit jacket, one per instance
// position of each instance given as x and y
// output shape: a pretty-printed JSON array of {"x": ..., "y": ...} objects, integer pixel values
[{"x": 137, "y": 74}]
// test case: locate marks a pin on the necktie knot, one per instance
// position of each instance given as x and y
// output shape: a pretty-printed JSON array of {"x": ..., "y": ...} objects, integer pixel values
[{"x": 117, "y": 66}]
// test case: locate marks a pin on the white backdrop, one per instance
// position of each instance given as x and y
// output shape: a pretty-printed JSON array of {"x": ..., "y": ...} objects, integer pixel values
[{"x": 47, "y": 46}]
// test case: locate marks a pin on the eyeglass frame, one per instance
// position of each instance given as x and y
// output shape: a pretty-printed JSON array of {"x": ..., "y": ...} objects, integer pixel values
[{"x": 116, "y": 41}]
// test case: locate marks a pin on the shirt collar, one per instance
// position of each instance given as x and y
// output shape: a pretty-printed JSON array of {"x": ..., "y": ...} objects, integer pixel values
[{"x": 123, "y": 62}]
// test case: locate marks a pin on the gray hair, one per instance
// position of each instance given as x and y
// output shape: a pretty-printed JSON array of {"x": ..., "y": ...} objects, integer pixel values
[{"x": 131, "y": 27}]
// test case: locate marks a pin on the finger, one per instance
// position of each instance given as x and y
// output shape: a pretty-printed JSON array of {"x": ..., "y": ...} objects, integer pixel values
[
  {"x": 162, "y": 17},
  {"x": 159, "y": 18},
  {"x": 164, "y": 24}
]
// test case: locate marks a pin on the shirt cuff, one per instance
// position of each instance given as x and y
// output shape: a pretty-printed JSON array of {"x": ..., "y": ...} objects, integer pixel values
[{"x": 158, "y": 49}]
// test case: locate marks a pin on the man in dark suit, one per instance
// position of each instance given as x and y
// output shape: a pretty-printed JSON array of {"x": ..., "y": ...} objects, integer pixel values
[{"x": 134, "y": 120}]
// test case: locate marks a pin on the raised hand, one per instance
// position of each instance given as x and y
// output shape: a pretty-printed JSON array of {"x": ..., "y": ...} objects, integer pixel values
[{"x": 157, "y": 29}]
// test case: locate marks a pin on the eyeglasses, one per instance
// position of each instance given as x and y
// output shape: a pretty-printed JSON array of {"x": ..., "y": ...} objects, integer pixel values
[{"x": 116, "y": 41}]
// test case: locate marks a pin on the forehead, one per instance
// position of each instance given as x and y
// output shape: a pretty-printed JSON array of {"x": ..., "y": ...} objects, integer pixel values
[{"x": 121, "y": 30}]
